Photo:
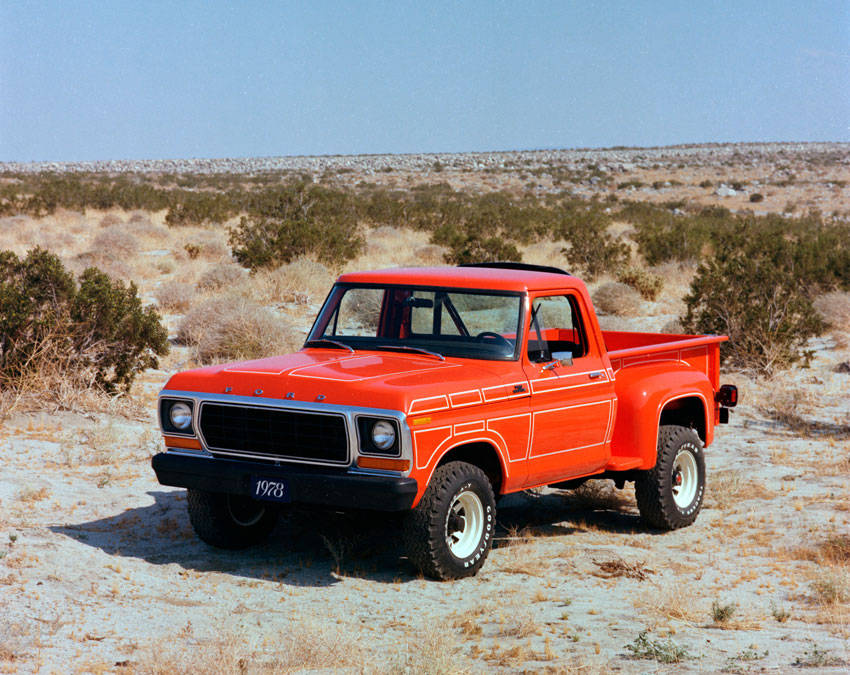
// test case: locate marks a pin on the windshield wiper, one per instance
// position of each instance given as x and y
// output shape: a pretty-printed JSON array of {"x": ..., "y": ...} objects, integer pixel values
[
  {"x": 335, "y": 343},
  {"x": 410, "y": 349}
]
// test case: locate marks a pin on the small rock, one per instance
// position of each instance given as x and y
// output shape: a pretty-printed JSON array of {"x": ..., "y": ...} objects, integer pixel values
[
  {"x": 724, "y": 191},
  {"x": 843, "y": 367}
]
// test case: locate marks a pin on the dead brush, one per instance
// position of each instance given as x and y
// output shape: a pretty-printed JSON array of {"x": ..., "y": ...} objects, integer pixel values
[
  {"x": 610, "y": 569},
  {"x": 174, "y": 296},
  {"x": 834, "y": 307},
  {"x": 302, "y": 281},
  {"x": 114, "y": 242},
  {"x": 232, "y": 328},
  {"x": 220, "y": 276},
  {"x": 617, "y": 298}
]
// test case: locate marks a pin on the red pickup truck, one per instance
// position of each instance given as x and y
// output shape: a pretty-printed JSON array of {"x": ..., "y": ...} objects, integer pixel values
[{"x": 433, "y": 391}]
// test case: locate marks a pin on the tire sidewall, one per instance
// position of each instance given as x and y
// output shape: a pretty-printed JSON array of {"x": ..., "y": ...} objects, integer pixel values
[
  {"x": 688, "y": 514},
  {"x": 469, "y": 565}
]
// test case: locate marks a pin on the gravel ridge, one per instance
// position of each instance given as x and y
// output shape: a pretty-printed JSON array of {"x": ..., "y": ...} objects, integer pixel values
[{"x": 612, "y": 158}]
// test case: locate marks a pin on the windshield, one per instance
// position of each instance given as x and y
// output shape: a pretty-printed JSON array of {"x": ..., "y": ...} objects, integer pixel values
[{"x": 441, "y": 321}]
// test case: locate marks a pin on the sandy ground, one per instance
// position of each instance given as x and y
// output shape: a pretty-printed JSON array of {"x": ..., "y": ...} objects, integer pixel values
[
  {"x": 101, "y": 572},
  {"x": 101, "y": 569}
]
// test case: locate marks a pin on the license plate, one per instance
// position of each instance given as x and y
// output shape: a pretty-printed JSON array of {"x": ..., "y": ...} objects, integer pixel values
[{"x": 273, "y": 490}]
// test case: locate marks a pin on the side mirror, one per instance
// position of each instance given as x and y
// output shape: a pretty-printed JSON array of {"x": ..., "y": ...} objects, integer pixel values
[
  {"x": 560, "y": 359},
  {"x": 563, "y": 358}
]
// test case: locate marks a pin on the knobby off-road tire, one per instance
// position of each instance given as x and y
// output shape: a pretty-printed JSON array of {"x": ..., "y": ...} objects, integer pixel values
[
  {"x": 229, "y": 521},
  {"x": 670, "y": 494},
  {"x": 450, "y": 532}
]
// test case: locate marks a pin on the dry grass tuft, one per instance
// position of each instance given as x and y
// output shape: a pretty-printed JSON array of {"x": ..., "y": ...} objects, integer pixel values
[
  {"x": 520, "y": 626},
  {"x": 299, "y": 648},
  {"x": 234, "y": 328},
  {"x": 676, "y": 601},
  {"x": 727, "y": 489},
  {"x": 835, "y": 550},
  {"x": 174, "y": 296},
  {"x": 219, "y": 276},
  {"x": 617, "y": 298}
]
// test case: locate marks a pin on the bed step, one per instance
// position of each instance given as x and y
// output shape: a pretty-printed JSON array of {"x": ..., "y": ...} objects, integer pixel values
[{"x": 622, "y": 463}]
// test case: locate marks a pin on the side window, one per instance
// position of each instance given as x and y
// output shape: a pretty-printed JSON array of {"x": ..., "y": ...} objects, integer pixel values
[{"x": 556, "y": 330}]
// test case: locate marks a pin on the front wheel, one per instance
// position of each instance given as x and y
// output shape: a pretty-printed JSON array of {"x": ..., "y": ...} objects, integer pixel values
[
  {"x": 670, "y": 494},
  {"x": 229, "y": 521},
  {"x": 450, "y": 532}
]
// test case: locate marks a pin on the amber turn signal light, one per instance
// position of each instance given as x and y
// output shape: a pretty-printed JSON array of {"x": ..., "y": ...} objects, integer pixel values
[
  {"x": 382, "y": 463},
  {"x": 178, "y": 442}
]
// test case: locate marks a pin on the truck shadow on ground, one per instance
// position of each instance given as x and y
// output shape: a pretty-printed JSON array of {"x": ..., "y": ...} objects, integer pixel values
[{"x": 318, "y": 548}]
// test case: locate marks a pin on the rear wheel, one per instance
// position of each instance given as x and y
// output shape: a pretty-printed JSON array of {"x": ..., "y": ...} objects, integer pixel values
[
  {"x": 450, "y": 532},
  {"x": 670, "y": 494},
  {"x": 229, "y": 521}
]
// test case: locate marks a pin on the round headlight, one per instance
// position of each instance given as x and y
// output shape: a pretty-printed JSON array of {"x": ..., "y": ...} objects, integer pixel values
[
  {"x": 180, "y": 416},
  {"x": 383, "y": 435}
]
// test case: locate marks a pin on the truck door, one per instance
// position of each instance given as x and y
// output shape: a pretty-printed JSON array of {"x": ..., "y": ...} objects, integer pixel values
[{"x": 572, "y": 396}]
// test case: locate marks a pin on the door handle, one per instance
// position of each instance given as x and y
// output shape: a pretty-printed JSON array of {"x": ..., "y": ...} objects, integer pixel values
[{"x": 595, "y": 374}]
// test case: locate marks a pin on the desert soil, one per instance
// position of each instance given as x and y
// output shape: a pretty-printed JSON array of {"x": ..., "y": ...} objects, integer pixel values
[{"x": 101, "y": 572}]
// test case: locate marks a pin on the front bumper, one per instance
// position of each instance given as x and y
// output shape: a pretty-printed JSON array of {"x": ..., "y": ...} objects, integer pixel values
[{"x": 337, "y": 488}]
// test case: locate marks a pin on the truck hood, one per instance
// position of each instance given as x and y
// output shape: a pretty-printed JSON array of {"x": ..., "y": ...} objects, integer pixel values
[{"x": 389, "y": 380}]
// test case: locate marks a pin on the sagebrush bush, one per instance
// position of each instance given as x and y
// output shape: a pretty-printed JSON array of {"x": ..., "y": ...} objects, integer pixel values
[
  {"x": 646, "y": 283},
  {"x": 231, "y": 328},
  {"x": 297, "y": 220},
  {"x": 96, "y": 331},
  {"x": 616, "y": 298},
  {"x": 592, "y": 249},
  {"x": 750, "y": 290},
  {"x": 474, "y": 245}
]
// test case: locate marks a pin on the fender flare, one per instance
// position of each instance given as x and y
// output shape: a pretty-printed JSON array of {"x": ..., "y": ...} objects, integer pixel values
[{"x": 643, "y": 391}]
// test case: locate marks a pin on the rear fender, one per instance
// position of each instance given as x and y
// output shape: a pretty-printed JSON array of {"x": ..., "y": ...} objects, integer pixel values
[{"x": 645, "y": 391}]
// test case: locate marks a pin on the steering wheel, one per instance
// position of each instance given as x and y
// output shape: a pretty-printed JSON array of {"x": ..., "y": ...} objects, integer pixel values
[{"x": 494, "y": 337}]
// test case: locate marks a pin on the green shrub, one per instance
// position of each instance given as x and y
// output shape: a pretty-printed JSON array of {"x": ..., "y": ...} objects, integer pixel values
[
  {"x": 97, "y": 332},
  {"x": 646, "y": 283},
  {"x": 750, "y": 290},
  {"x": 296, "y": 220},
  {"x": 593, "y": 251},
  {"x": 756, "y": 197},
  {"x": 474, "y": 244},
  {"x": 663, "y": 651}
]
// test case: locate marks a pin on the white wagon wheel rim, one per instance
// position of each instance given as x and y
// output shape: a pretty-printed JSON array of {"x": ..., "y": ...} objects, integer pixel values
[
  {"x": 685, "y": 478},
  {"x": 464, "y": 524}
]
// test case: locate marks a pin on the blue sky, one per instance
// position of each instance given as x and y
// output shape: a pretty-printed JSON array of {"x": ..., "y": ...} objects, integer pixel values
[{"x": 138, "y": 80}]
